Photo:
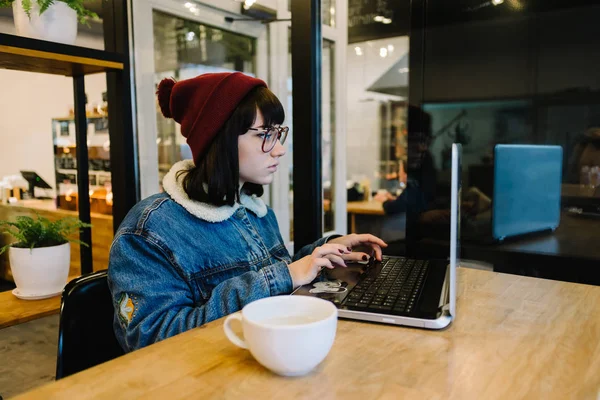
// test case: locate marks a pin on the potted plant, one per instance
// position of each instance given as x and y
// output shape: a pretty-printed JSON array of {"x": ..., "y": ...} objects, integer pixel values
[
  {"x": 40, "y": 258},
  {"x": 53, "y": 20}
]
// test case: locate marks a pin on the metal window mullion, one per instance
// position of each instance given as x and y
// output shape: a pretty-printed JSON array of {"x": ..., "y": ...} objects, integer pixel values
[
  {"x": 306, "y": 80},
  {"x": 83, "y": 185},
  {"x": 123, "y": 147}
]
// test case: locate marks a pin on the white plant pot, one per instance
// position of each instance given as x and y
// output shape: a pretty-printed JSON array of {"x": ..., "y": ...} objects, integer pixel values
[
  {"x": 57, "y": 24},
  {"x": 41, "y": 271}
]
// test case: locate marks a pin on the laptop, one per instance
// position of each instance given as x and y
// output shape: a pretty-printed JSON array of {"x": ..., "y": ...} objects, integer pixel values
[
  {"x": 526, "y": 196},
  {"x": 398, "y": 290}
]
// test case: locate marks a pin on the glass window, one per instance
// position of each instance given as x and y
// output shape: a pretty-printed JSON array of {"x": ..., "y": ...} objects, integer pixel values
[
  {"x": 184, "y": 49},
  {"x": 511, "y": 73},
  {"x": 377, "y": 93},
  {"x": 328, "y": 12},
  {"x": 289, "y": 116},
  {"x": 328, "y": 134}
]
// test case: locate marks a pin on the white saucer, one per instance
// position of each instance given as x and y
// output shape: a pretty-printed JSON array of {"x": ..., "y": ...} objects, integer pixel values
[{"x": 33, "y": 296}]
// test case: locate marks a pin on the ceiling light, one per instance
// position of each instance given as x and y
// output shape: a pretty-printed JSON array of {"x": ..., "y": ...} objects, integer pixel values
[
  {"x": 189, "y": 5},
  {"x": 190, "y": 36},
  {"x": 390, "y": 48},
  {"x": 378, "y": 18},
  {"x": 332, "y": 11},
  {"x": 358, "y": 51},
  {"x": 383, "y": 52},
  {"x": 248, "y": 3},
  {"x": 387, "y": 21},
  {"x": 497, "y": 2}
]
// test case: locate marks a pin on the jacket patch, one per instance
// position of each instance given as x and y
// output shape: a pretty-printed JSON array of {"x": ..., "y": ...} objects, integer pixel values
[{"x": 126, "y": 308}]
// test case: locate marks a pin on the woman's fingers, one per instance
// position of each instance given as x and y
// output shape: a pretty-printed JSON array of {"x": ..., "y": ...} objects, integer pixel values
[
  {"x": 338, "y": 250},
  {"x": 323, "y": 262},
  {"x": 377, "y": 250},
  {"x": 356, "y": 256},
  {"x": 367, "y": 238},
  {"x": 330, "y": 248},
  {"x": 371, "y": 241},
  {"x": 339, "y": 261}
]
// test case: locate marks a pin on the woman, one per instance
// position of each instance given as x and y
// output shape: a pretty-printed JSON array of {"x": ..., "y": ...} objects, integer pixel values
[{"x": 209, "y": 245}]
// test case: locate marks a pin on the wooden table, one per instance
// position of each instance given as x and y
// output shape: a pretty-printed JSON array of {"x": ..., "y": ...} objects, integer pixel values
[
  {"x": 371, "y": 207},
  {"x": 570, "y": 253},
  {"x": 15, "y": 311},
  {"x": 515, "y": 337},
  {"x": 576, "y": 190}
]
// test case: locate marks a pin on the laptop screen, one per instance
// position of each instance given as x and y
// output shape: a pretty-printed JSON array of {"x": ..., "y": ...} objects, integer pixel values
[
  {"x": 459, "y": 200},
  {"x": 527, "y": 189},
  {"x": 455, "y": 213}
]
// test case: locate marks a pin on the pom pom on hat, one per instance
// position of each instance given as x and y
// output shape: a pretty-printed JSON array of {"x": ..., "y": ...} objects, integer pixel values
[{"x": 165, "y": 87}]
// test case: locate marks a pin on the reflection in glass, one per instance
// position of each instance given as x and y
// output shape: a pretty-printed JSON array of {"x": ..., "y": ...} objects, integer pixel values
[
  {"x": 502, "y": 73},
  {"x": 289, "y": 116},
  {"x": 328, "y": 12},
  {"x": 328, "y": 136},
  {"x": 376, "y": 138}
]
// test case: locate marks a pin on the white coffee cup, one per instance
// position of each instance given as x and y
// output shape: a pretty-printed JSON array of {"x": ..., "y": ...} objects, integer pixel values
[{"x": 290, "y": 335}]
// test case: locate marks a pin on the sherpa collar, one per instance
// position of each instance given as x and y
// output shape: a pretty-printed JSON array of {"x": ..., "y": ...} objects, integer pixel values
[{"x": 205, "y": 211}]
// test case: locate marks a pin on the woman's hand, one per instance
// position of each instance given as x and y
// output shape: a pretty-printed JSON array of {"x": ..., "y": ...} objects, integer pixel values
[
  {"x": 382, "y": 196},
  {"x": 366, "y": 239},
  {"x": 305, "y": 270}
]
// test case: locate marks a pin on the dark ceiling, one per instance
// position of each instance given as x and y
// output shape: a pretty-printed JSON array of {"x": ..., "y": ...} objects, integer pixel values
[{"x": 362, "y": 27}]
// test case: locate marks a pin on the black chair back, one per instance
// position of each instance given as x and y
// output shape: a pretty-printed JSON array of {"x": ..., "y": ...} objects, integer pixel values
[{"x": 85, "y": 334}]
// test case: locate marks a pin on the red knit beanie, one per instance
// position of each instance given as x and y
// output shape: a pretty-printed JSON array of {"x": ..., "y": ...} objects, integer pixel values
[{"x": 203, "y": 104}]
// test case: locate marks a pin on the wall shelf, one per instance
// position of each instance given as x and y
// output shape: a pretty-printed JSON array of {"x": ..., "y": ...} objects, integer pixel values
[{"x": 25, "y": 54}]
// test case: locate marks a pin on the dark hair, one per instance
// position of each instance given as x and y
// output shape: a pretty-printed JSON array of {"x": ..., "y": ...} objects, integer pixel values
[
  {"x": 216, "y": 178},
  {"x": 419, "y": 122}
]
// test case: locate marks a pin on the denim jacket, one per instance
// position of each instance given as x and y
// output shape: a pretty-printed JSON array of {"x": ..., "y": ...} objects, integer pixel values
[{"x": 176, "y": 264}]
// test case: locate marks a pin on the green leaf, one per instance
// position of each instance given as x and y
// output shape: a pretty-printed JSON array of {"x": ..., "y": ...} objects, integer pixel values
[
  {"x": 41, "y": 232},
  {"x": 26, "y": 4},
  {"x": 83, "y": 14},
  {"x": 44, "y": 4}
]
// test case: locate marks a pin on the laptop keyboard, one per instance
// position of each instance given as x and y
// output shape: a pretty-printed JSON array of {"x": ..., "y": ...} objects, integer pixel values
[{"x": 394, "y": 290}]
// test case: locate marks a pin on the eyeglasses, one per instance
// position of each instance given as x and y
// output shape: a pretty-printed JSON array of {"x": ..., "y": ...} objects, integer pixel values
[{"x": 271, "y": 135}]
